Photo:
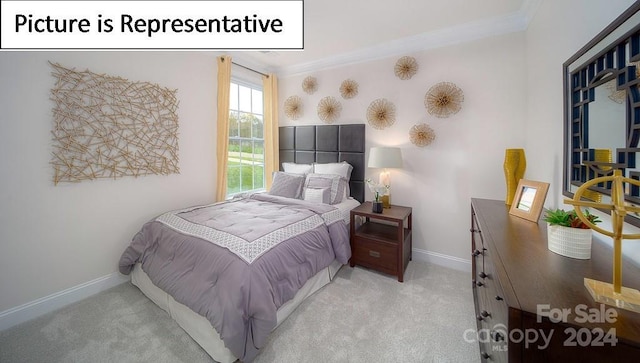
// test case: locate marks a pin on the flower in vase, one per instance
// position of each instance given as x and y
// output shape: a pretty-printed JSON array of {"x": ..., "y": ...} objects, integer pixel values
[{"x": 378, "y": 189}]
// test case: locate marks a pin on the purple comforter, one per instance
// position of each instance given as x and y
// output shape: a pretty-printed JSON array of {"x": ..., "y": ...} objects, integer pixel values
[{"x": 237, "y": 262}]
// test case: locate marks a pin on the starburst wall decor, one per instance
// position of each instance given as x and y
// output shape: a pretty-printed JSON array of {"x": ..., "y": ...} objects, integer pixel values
[
  {"x": 406, "y": 67},
  {"x": 381, "y": 114},
  {"x": 293, "y": 107},
  {"x": 310, "y": 85},
  {"x": 444, "y": 99},
  {"x": 329, "y": 109},
  {"x": 349, "y": 89},
  {"x": 421, "y": 135}
]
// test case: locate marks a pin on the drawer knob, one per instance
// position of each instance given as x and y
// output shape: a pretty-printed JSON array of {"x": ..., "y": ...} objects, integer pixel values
[
  {"x": 375, "y": 254},
  {"x": 476, "y": 253},
  {"x": 485, "y": 313},
  {"x": 479, "y": 283},
  {"x": 474, "y": 230},
  {"x": 482, "y": 274},
  {"x": 485, "y": 355},
  {"x": 499, "y": 298},
  {"x": 480, "y": 318}
]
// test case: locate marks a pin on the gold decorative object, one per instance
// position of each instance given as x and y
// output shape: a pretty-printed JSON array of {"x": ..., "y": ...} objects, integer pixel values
[
  {"x": 615, "y": 95},
  {"x": 619, "y": 96},
  {"x": 381, "y": 114},
  {"x": 293, "y": 107},
  {"x": 600, "y": 156},
  {"x": 514, "y": 166},
  {"x": 329, "y": 109},
  {"x": 310, "y": 85},
  {"x": 109, "y": 127},
  {"x": 349, "y": 89},
  {"x": 406, "y": 67},
  {"x": 444, "y": 99},
  {"x": 421, "y": 135},
  {"x": 611, "y": 294}
]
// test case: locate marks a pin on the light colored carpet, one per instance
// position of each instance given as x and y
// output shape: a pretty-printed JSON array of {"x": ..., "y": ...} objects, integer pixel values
[{"x": 362, "y": 316}]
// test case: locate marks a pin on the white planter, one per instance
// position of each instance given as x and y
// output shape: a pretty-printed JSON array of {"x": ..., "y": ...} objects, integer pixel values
[{"x": 569, "y": 242}]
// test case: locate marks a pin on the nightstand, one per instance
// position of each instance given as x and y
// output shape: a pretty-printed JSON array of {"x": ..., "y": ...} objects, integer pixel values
[{"x": 383, "y": 241}]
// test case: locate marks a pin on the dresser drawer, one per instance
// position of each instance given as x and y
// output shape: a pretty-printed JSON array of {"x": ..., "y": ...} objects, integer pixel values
[{"x": 379, "y": 255}]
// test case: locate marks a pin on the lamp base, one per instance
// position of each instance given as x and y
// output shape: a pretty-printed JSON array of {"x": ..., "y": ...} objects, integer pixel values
[
  {"x": 602, "y": 292},
  {"x": 386, "y": 201}
]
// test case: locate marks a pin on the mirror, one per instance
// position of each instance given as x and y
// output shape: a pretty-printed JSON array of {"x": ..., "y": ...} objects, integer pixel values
[
  {"x": 528, "y": 194},
  {"x": 602, "y": 111}
]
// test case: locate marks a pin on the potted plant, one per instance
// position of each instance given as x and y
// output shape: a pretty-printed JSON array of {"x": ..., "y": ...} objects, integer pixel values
[
  {"x": 378, "y": 190},
  {"x": 567, "y": 235}
]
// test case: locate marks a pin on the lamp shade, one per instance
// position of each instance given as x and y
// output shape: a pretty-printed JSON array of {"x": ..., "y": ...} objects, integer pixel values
[{"x": 385, "y": 157}]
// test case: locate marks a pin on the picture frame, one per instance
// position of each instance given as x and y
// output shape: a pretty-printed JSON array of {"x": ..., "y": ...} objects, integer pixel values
[{"x": 529, "y": 199}]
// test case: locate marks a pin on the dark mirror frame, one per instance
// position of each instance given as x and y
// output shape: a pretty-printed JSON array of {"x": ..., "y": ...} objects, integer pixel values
[{"x": 609, "y": 57}]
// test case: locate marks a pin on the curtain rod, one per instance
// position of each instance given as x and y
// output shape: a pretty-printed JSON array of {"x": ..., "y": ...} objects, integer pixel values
[{"x": 250, "y": 69}]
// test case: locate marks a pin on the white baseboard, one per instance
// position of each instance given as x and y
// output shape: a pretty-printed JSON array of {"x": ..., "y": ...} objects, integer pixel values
[
  {"x": 36, "y": 308},
  {"x": 440, "y": 259}
]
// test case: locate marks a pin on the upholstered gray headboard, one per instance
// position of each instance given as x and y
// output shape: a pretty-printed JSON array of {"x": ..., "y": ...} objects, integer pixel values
[{"x": 327, "y": 144}]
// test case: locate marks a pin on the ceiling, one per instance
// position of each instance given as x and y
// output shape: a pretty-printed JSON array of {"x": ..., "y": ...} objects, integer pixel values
[{"x": 338, "y": 32}]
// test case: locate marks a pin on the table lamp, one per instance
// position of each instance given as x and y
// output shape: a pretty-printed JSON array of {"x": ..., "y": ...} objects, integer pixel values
[{"x": 385, "y": 158}]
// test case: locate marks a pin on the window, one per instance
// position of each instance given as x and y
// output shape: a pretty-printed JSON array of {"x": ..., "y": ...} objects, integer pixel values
[{"x": 245, "y": 164}]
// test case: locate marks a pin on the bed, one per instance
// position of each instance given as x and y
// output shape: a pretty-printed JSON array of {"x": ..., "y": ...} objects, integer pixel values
[{"x": 295, "y": 246}]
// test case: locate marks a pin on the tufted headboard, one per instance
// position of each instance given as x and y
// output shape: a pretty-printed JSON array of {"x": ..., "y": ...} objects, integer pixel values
[{"x": 327, "y": 144}]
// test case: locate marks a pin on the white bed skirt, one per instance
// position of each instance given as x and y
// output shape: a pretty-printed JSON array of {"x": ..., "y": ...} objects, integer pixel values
[{"x": 199, "y": 328}]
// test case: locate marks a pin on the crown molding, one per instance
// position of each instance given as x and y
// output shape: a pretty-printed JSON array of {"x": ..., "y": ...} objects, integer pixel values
[
  {"x": 528, "y": 10},
  {"x": 509, "y": 23}
]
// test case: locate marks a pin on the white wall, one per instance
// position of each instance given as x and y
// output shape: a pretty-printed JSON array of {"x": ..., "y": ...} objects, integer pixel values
[
  {"x": 56, "y": 237},
  {"x": 467, "y": 156}
]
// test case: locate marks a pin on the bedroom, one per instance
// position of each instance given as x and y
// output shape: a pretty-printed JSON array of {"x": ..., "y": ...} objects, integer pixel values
[{"x": 63, "y": 242}]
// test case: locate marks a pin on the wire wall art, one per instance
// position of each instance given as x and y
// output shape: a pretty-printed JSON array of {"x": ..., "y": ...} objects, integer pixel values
[
  {"x": 421, "y": 135},
  {"x": 109, "y": 127},
  {"x": 293, "y": 107},
  {"x": 329, "y": 109},
  {"x": 381, "y": 114},
  {"x": 444, "y": 99}
]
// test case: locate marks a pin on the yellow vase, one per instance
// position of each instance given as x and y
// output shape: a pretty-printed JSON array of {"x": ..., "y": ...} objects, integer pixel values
[{"x": 515, "y": 164}]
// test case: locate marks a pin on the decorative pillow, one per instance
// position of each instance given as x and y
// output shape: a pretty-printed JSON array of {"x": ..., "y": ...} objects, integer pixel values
[
  {"x": 343, "y": 169},
  {"x": 297, "y": 168},
  {"x": 335, "y": 183},
  {"x": 318, "y": 195},
  {"x": 287, "y": 185}
]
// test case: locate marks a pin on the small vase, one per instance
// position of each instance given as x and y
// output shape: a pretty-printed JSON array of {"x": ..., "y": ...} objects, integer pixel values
[
  {"x": 376, "y": 207},
  {"x": 514, "y": 166}
]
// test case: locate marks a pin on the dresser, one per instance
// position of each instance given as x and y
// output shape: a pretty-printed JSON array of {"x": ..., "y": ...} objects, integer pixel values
[{"x": 531, "y": 304}]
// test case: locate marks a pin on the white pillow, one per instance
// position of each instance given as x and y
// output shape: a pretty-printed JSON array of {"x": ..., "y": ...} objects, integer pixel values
[
  {"x": 318, "y": 195},
  {"x": 343, "y": 169},
  {"x": 297, "y": 168},
  {"x": 335, "y": 183}
]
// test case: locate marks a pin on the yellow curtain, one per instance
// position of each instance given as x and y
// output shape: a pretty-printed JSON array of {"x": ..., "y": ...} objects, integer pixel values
[
  {"x": 224, "y": 89},
  {"x": 271, "y": 146}
]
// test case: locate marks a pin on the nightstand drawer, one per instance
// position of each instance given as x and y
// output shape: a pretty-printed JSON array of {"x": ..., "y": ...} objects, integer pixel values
[{"x": 379, "y": 255}]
